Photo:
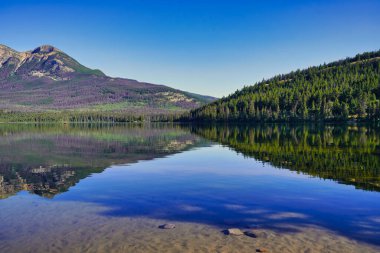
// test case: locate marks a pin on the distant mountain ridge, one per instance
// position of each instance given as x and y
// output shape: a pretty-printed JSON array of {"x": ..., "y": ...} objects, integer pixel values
[
  {"x": 47, "y": 79},
  {"x": 343, "y": 90}
]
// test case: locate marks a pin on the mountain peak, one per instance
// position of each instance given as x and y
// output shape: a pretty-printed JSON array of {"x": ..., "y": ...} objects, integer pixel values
[
  {"x": 44, "y": 49},
  {"x": 44, "y": 61}
]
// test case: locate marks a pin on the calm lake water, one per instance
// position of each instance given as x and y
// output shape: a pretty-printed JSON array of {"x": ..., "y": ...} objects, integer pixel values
[{"x": 55, "y": 179}]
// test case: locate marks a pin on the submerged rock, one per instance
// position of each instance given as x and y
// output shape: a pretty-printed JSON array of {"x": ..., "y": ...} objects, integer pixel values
[
  {"x": 250, "y": 234},
  {"x": 167, "y": 226},
  {"x": 234, "y": 231}
]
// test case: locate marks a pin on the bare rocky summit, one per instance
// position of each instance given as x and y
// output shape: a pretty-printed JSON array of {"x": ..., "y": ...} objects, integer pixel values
[{"x": 44, "y": 61}]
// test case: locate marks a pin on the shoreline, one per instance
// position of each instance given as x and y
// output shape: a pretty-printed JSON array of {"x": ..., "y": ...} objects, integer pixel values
[{"x": 143, "y": 235}]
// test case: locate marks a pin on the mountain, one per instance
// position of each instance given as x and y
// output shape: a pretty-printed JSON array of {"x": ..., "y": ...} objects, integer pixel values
[
  {"x": 47, "y": 79},
  {"x": 343, "y": 90}
]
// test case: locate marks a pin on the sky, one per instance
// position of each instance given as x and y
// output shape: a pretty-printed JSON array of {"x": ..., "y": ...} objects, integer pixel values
[{"x": 210, "y": 47}]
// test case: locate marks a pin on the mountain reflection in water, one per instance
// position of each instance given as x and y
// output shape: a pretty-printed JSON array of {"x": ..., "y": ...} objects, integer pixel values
[{"x": 49, "y": 159}]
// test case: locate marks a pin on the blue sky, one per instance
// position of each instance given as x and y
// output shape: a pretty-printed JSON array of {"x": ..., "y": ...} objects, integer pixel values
[{"x": 208, "y": 47}]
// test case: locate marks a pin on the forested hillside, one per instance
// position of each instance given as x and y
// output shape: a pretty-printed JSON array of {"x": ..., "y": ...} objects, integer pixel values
[{"x": 342, "y": 90}]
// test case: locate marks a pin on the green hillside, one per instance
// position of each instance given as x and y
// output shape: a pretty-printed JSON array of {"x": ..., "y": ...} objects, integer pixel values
[{"x": 341, "y": 90}]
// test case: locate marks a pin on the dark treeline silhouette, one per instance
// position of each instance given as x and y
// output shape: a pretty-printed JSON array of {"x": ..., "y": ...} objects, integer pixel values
[
  {"x": 85, "y": 116},
  {"x": 342, "y": 90},
  {"x": 347, "y": 154}
]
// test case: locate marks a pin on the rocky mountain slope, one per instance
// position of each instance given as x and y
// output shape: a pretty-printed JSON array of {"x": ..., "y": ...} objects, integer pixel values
[{"x": 48, "y": 79}]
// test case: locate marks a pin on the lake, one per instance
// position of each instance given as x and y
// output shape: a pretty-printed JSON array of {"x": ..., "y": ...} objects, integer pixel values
[{"x": 108, "y": 188}]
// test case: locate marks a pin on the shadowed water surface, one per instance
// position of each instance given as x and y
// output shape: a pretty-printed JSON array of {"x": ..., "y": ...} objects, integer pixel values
[{"x": 278, "y": 177}]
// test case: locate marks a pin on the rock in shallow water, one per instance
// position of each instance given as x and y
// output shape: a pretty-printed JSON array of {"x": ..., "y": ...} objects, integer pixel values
[
  {"x": 234, "y": 231},
  {"x": 167, "y": 226},
  {"x": 250, "y": 234}
]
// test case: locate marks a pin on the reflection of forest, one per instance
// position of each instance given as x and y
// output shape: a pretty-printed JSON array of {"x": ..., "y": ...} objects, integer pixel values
[
  {"x": 48, "y": 159},
  {"x": 347, "y": 154}
]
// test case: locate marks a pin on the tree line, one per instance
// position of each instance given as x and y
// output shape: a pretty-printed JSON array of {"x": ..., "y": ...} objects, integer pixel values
[{"x": 84, "y": 117}]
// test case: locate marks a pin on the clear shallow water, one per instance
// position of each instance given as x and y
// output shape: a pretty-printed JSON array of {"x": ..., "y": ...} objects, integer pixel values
[{"x": 262, "y": 176}]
